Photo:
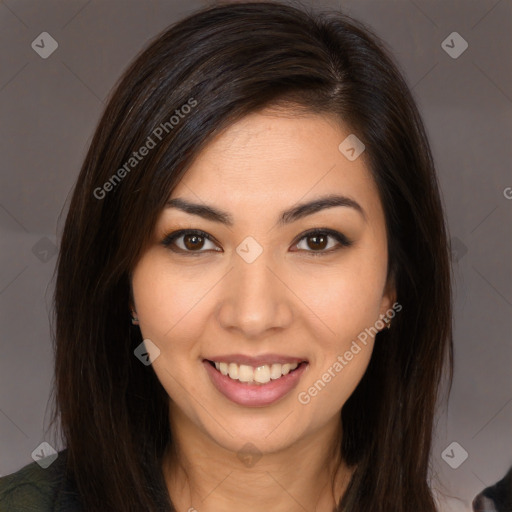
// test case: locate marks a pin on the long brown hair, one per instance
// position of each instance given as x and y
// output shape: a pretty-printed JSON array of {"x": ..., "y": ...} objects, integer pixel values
[{"x": 225, "y": 62}]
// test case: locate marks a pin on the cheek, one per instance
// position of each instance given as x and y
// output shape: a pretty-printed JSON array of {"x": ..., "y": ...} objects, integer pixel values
[
  {"x": 167, "y": 302},
  {"x": 343, "y": 352},
  {"x": 169, "y": 306},
  {"x": 344, "y": 298},
  {"x": 347, "y": 300}
]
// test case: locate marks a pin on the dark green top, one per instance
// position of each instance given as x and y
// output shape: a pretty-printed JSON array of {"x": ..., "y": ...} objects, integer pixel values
[{"x": 34, "y": 489}]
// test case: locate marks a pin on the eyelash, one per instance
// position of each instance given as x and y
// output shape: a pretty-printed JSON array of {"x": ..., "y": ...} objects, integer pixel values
[{"x": 169, "y": 240}]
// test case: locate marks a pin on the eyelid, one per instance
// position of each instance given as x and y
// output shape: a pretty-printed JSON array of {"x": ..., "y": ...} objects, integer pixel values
[{"x": 342, "y": 240}]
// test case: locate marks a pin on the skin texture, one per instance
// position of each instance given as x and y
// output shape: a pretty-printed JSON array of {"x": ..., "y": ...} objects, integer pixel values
[{"x": 288, "y": 301}]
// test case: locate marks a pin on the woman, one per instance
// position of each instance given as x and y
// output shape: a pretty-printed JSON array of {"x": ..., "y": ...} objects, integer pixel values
[{"x": 253, "y": 302}]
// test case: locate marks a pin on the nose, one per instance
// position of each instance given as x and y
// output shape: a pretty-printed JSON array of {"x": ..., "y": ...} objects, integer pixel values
[{"x": 255, "y": 299}]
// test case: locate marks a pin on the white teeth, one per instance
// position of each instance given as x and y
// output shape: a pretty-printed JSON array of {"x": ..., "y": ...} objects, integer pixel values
[
  {"x": 233, "y": 371},
  {"x": 245, "y": 373},
  {"x": 261, "y": 374},
  {"x": 275, "y": 371}
]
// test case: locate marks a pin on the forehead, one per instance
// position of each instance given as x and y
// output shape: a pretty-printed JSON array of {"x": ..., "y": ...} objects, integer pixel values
[{"x": 273, "y": 159}]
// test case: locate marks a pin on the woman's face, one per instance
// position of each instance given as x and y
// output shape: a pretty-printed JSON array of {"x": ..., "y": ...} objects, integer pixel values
[{"x": 262, "y": 292}]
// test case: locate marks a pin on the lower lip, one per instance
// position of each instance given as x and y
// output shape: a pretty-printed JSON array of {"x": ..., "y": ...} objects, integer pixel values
[{"x": 254, "y": 395}]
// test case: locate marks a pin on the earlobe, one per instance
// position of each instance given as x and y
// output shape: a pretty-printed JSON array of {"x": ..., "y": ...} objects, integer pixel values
[
  {"x": 131, "y": 305},
  {"x": 387, "y": 311},
  {"x": 135, "y": 318}
]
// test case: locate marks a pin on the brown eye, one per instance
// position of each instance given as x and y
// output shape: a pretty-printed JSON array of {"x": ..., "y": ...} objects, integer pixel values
[
  {"x": 318, "y": 242},
  {"x": 192, "y": 242},
  {"x": 189, "y": 241}
]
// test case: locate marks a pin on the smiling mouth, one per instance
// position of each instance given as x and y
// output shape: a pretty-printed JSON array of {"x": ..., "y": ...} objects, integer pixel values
[{"x": 255, "y": 375}]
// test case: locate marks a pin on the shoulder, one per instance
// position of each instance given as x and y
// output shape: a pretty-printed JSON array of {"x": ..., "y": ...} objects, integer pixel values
[{"x": 33, "y": 488}]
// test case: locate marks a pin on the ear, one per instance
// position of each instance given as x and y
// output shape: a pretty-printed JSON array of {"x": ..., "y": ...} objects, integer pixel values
[
  {"x": 388, "y": 296},
  {"x": 133, "y": 313}
]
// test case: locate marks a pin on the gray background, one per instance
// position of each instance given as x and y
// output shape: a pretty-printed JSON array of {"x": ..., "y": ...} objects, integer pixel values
[{"x": 49, "y": 109}]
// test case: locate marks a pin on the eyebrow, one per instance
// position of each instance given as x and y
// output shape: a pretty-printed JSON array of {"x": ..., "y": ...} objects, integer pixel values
[{"x": 286, "y": 217}]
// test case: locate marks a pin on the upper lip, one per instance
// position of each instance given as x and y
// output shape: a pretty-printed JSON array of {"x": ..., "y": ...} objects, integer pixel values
[{"x": 255, "y": 361}]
